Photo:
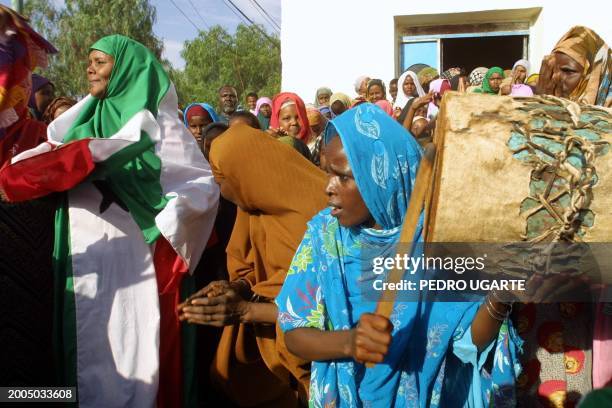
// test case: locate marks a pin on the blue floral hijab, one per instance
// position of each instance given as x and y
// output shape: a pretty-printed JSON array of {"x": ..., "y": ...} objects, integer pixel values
[
  {"x": 384, "y": 158},
  {"x": 328, "y": 287}
]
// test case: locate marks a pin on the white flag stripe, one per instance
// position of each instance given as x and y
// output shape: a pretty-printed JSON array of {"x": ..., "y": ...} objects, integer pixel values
[
  {"x": 194, "y": 202},
  {"x": 115, "y": 286},
  {"x": 60, "y": 126},
  {"x": 117, "y": 307}
]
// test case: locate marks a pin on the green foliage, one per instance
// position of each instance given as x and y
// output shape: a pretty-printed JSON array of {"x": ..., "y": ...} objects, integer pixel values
[
  {"x": 43, "y": 17},
  {"x": 249, "y": 60},
  {"x": 74, "y": 28}
]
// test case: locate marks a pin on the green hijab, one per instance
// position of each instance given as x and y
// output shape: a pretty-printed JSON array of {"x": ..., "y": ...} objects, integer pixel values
[
  {"x": 485, "y": 88},
  {"x": 138, "y": 82}
]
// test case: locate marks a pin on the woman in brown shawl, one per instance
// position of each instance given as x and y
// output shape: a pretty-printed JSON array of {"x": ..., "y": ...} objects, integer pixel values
[
  {"x": 579, "y": 68},
  {"x": 277, "y": 192}
]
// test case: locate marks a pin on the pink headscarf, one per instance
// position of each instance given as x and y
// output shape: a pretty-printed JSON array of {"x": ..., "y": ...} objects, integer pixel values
[
  {"x": 386, "y": 106},
  {"x": 437, "y": 86},
  {"x": 262, "y": 101},
  {"x": 521, "y": 90}
]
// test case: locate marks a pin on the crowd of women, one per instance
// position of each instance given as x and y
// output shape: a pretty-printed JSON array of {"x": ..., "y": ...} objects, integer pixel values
[{"x": 206, "y": 257}]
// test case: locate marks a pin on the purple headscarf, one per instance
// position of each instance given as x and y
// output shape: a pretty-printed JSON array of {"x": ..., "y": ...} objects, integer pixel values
[{"x": 38, "y": 82}]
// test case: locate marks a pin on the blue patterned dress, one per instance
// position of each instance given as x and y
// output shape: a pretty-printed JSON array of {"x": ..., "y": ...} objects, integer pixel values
[{"x": 432, "y": 360}]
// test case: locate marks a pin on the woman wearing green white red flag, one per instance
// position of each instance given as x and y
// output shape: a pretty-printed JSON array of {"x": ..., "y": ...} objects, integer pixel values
[{"x": 138, "y": 210}]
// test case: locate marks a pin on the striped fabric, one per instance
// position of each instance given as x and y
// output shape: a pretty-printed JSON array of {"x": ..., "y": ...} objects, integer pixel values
[{"x": 137, "y": 212}]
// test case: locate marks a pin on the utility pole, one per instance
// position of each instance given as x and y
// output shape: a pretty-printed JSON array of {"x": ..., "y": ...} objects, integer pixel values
[{"x": 18, "y": 6}]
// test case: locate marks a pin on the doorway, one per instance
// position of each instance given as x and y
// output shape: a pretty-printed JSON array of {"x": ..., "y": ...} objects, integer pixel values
[{"x": 472, "y": 52}]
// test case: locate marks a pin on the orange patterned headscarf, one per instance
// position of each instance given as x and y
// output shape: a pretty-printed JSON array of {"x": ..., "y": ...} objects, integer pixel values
[
  {"x": 587, "y": 48},
  {"x": 21, "y": 50}
]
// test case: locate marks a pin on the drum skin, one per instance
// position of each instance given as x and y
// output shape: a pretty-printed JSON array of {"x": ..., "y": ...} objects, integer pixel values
[{"x": 485, "y": 188}]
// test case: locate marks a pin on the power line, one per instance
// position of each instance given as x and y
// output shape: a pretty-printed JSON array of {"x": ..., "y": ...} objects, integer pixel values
[
  {"x": 271, "y": 24},
  {"x": 198, "y": 13},
  {"x": 251, "y": 22},
  {"x": 186, "y": 16},
  {"x": 241, "y": 12},
  {"x": 266, "y": 13},
  {"x": 235, "y": 12}
]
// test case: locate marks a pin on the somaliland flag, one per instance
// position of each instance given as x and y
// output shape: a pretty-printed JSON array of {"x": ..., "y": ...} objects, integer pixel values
[{"x": 138, "y": 209}]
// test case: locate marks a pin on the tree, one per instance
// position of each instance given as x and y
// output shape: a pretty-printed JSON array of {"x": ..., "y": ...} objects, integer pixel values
[
  {"x": 43, "y": 17},
  {"x": 249, "y": 60},
  {"x": 79, "y": 24}
]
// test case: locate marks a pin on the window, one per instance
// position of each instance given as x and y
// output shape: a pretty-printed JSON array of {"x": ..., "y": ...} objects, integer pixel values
[
  {"x": 468, "y": 50},
  {"x": 419, "y": 52}
]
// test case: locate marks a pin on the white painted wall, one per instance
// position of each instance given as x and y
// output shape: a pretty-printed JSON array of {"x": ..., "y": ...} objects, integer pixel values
[{"x": 332, "y": 42}]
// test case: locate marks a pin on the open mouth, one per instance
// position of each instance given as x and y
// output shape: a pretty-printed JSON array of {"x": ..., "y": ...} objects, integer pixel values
[{"x": 335, "y": 209}]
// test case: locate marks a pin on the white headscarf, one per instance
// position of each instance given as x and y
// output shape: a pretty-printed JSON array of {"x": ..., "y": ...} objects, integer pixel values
[
  {"x": 402, "y": 98},
  {"x": 358, "y": 82},
  {"x": 523, "y": 63}
]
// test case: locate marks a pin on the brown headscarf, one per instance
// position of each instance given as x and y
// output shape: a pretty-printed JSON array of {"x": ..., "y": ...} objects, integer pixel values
[
  {"x": 57, "y": 103},
  {"x": 587, "y": 48},
  {"x": 278, "y": 192}
]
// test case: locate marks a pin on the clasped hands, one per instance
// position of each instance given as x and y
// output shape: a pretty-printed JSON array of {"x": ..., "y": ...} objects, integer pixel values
[{"x": 218, "y": 304}]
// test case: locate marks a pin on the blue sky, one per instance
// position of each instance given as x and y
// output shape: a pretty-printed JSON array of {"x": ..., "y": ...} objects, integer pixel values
[{"x": 174, "y": 28}]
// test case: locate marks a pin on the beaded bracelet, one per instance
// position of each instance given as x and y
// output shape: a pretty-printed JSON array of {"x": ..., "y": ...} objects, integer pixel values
[
  {"x": 494, "y": 313},
  {"x": 498, "y": 299}
]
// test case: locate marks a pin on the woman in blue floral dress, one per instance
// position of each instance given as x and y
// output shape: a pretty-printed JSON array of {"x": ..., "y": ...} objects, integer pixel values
[{"x": 428, "y": 354}]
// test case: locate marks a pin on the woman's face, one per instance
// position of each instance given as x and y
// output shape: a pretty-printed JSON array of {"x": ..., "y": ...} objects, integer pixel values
[
  {"x": 409, "y": 87},
  {"x": 422, "y": 111},
  {"x": 289, "y": 121},
  {"x": 375, "y": 93},
  {"x": 59, "y": 111},
  {"x": 251, "y": 102},
  {"x": 99, "y": 71},
  {"x": 393, "y": 90},
  {"x": 228, "y": 192},
  {"x": 196, "y": 124},
  {"x": 567, "y": 73},
  {"x": 495, "y": 81},
  {"x": 44, "y": 96},
  {"x": 363, "y": 88},
  {"x": 265, "y": 110},
  {"x": 317, "y": 128},
  {"x": 323, "y": 99},
  {"x": 338, "y": 108},
  {"x": 520, "y": 74},
  {"x": 344, "y": 196}
]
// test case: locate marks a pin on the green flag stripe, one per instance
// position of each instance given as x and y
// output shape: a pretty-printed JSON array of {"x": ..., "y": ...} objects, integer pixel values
[
  {"x": 64, "y": 336},
  {"x": 133, "y": 173},
  {"x": 137, "y": 83}
]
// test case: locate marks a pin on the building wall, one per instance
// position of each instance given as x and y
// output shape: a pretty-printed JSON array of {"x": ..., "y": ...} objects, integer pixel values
[{"x": 332, "y": 42}]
